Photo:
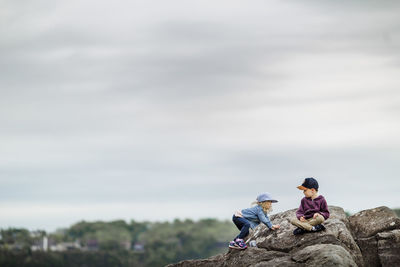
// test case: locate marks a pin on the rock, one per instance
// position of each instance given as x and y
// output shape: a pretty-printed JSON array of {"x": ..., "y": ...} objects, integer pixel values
[
  {"x": 382, "y": 249},
  {"x": 368, "y": 223},
  {"x": 251, "y": 256},
  {"x": 235, "y": 258},
  {"x": 389, "y": 248},
  {"x": 217, "y": 260},
  {"x": 376, "y": 232},
  {"x": 369, "y": 249},
  {"x": 278, "y": 262},
  {"x": 336, "y": 233},
  {"x": 368, "y": 238},
  {"x": 324, "y": 255}
]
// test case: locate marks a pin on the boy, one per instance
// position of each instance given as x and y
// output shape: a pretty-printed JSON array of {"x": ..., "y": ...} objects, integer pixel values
[{"x": 313, "y": 209}]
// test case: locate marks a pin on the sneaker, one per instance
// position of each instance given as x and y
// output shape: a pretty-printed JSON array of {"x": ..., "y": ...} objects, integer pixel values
[
  {"x": 241, "y": 243},
  {"x": 233, "y": 244},
  {"x": 299, "y": 231},
  {"x": 318, "y": 228}
]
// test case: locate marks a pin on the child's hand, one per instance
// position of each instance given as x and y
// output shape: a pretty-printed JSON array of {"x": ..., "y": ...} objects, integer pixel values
[
  {"x": 275, "y": 227},
  {"x": 315, "y": 215},
  {"x": 302, "y": 219}
]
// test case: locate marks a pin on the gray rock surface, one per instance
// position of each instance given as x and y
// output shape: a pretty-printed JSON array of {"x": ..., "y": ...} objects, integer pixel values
[
  {"x": 383, "y": 249},
  {"x": 389, "y": 248},
  {"x": 235, "y": 258},
  {"x": 324, "y": 255},
  {"x": 368, "y": 223},
  {"x": 368, "y": 238},
  {"x": 377, "y": 233},
  {"x": 369, "y": 250}
]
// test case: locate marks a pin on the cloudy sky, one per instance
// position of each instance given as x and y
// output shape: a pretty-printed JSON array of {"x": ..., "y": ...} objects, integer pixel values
[{"x": 154, "y": 110}]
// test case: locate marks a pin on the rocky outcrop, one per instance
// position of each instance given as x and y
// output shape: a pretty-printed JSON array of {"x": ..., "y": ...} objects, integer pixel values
[
  {"x": 377, "y": 233},
  {"x": 368, "y": 238}
]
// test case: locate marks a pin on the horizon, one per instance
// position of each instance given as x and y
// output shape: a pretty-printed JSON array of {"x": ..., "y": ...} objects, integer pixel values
[
  {"x": 170, "y": 220},
  {"x": 191, "y": 109}
]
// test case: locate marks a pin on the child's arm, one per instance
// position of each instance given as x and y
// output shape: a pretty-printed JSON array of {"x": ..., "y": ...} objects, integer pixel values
[
  {"x": 264, "y": 219},
  {"x": 324, "y": 209}
]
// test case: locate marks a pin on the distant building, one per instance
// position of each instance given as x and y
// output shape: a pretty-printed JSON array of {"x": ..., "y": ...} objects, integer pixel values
[
  {"x": 66, "y": 246},
  {"x": 92, "y": 245},
  {"x": 40, "y": 244},
  {"x": 138, "y": 247}
]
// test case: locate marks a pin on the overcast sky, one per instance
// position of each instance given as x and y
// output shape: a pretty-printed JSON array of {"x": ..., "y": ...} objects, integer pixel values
[{"x": 154, "y": 110}]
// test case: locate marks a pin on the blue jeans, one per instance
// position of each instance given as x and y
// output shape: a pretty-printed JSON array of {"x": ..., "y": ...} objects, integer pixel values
[{"x": 243, "y": 225}]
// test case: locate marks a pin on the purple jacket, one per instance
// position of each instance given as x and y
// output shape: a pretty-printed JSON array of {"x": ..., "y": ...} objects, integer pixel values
[{"x": 310, "y": 206}]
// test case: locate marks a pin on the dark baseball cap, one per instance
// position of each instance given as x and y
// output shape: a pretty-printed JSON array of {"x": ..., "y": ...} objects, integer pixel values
[{"x": 308, "y": 184}]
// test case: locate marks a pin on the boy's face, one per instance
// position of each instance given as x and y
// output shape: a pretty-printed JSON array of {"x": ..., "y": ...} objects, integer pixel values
[{"x": 309, "y": 192}]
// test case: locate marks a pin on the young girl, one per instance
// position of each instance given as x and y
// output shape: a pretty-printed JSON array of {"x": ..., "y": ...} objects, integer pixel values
[{"x": 252, "y": 217}]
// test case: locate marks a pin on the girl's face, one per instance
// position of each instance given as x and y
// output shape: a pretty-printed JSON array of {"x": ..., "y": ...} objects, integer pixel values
[{"x": 266, "y": 205}]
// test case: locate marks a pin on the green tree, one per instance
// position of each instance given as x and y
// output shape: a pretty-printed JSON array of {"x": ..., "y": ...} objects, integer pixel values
[
  {"x": 17, "y": 237},
  {"x": 110, "y": 236}
]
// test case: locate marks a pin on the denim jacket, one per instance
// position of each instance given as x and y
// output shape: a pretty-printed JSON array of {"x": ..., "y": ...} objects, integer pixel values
[{"x": 255, "y": 215}]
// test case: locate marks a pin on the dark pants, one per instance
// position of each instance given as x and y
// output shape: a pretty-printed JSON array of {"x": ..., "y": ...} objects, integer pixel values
[{"x": 243, "y": 225}]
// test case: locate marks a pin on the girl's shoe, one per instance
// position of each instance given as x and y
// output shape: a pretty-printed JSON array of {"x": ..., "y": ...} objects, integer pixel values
[
  {"x": 241, "y": 243},
  {"x": 233, "y": 244}
]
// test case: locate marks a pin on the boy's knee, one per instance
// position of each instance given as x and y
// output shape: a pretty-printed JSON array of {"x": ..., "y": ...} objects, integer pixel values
[
  {"x": 320, "y": 219},
  {"x": 293, "y": 220}
]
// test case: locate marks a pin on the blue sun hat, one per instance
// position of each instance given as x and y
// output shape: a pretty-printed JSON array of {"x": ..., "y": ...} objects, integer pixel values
[{"x": 265, "y": 197}]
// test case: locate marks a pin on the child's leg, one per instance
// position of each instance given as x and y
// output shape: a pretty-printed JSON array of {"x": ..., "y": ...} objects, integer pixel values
[
  {"x": 237, "y": 222},
  {"x": 243, "y": 225},
  {"x": 303, "y": 225},
  {"x": 318, "y": 220}
]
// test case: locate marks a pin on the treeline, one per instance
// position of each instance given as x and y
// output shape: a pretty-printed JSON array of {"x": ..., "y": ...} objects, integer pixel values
[{"x": 117, "y": 243}]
